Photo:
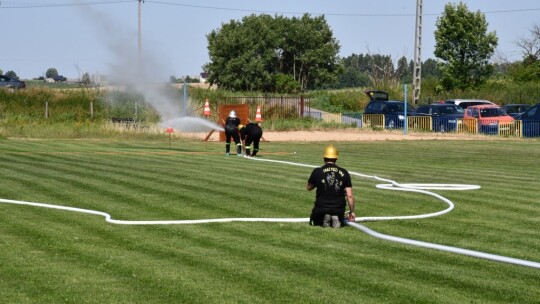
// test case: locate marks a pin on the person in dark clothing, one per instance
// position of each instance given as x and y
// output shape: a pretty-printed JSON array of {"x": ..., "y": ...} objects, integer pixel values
[
  {"x": 251, "y": 134},
  {"x": 334, "y": 189},
  {"x": 231, "y": 131}
]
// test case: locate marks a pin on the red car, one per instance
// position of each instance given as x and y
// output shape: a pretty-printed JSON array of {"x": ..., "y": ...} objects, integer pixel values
[{"x": 491, "y": 119}]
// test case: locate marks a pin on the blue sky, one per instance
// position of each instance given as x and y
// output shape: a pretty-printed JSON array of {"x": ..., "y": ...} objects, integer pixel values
[{"x": 100, "y": 36}]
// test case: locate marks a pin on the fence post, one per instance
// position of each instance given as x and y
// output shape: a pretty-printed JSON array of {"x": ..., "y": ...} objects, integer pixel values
[
  {"x": 185, "y": 98},
  {"x": 405, "y": 110},
  {"x": 46, "y": 109},
  {"x": 91, "y": 110},
  {"x": 301, "y": 106}
]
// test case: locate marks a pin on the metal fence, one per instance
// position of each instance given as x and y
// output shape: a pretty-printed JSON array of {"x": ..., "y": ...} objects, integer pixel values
[
  {"x": 530, "y": 128},
  {"x": 274, "y": 107},
  {"x": 296, "y": 107},
  {"x": 433, "y": 124},
  {"x": 515, "y": 128}
]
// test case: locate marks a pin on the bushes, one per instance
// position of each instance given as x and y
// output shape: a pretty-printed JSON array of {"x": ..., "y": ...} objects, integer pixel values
[
  {"x": 302, "y": 124},
  {"x": 22, "y": 113},
  {"x": 499, "y": 91},
  {"x": 75, "y": 105},
  {"x": 351, "y": 100}
]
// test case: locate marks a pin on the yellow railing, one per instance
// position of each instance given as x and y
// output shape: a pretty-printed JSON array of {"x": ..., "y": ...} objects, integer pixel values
[
  {"x": 519, "y": 128},
  {"x": 509, "y": 128},
  {"x": 419, "y": 123},
  {"x": 425, "y": 123},
  {"x": 373, "y": 121},
  {"x": 469, "y": 125}
]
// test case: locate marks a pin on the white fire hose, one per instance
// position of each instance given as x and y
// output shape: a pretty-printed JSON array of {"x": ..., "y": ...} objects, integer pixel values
[{"x": 418, "y": 188}]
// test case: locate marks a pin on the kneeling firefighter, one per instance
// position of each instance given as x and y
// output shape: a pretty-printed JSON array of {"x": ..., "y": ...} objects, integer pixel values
[
  {"x": 251, "y": 133},
  {"x": 334, "y": 189}
]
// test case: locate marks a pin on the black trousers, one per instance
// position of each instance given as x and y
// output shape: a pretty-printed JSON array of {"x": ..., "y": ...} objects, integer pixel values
[
  {"x": 317, "y": 215},
  {"x": 236, "y": 137},
  {"x": 255, "y": 141}
]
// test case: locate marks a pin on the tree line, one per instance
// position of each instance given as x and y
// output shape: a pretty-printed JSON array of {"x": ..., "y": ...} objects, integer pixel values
[
  {"x": 264, "y": 53},
  {"x": 52, "y": 73},
  {"x": 289, "y": 55}
]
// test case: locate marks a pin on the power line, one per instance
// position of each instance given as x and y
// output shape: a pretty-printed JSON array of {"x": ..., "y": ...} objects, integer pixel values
[
  {"x": 326, "y": 14},
  {"x": 6, "y": 5}
]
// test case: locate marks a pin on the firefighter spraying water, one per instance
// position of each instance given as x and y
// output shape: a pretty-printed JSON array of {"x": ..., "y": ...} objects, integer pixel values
[{"x": 231, "y": 131}]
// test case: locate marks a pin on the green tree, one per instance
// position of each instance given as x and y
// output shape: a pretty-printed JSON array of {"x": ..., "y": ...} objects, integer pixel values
[
  {"x": 356, "y": 70},
  {"x": 529, "y": 68},
  {"x": 286, "y": 84},
  {"x": 12, "y": 74},
  {"x": 255, "y": 53},
  {"x": 465, "y": 46},
  {"x": 525, "y": 71},
  {"x": 430, "y": 69},
  {"x": 530, "y": 46},
  {"x": 404, "y": 72},
  {"x": 51, "y": 73},
  {"x": 1, "y": 72},
  {"x": 312, "y": 52},
  {"x": 374, "y": 70},
  {"x": 352, "y": 78},
  {"x": 382, "y": 72},
  {"x": 361, "y": 62},
  {"x": 86, "y": 79},
  {"x": 240, "y": 54}
]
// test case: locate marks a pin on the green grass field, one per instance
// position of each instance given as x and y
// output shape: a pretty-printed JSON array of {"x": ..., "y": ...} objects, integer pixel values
[{"x": 55, "y": 256}]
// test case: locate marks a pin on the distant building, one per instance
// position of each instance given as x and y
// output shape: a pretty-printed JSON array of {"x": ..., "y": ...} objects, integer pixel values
[{"x": 203, "y": 77}]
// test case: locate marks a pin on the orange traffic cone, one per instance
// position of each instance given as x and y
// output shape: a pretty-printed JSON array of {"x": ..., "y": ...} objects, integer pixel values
[
  {"x": 258, "y": 116},
  {"x": 206, "y": 110}
]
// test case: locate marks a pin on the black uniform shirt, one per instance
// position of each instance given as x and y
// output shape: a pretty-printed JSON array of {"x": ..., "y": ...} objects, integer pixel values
[
  {"x": 231, "y": 124},
  {"x": 252, "y": 130},
  {"x": 330, "y": 181}
]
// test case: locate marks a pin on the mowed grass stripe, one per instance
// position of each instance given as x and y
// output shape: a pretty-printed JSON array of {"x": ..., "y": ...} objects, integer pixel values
[
  {"x": 68, "y": 171},
  {"x": 263, "y": 262},
  {"x": 97, "y": 195}
]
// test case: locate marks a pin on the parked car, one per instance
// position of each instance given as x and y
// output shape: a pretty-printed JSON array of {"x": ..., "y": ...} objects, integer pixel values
[
  {"x": 393, "y": 110},
  {"x": 530, "y": 121},
  {"x": 11, "y": 83},
  {"x": 59, "y": 78},
  {"x": 465, "y": 103},
  {"x": 491, "y": 119},
  {"x": 444, "y": 117},
  {"x": 515, "y": 109}
]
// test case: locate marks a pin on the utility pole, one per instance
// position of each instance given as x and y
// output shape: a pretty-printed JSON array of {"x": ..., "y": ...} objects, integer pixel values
[
  {"x": 139, "y": 35},
  {"x": 417, "y": 75}
]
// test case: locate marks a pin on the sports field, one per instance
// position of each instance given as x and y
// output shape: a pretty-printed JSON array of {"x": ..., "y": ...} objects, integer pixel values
[{"x": 59, "y": 256}]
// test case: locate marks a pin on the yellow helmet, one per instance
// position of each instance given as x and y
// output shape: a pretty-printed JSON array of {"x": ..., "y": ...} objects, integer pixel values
[{"x": 331, "y": 152}]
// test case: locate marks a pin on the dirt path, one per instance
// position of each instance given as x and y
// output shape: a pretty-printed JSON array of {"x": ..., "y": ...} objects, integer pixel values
[{"x": 354, "y": 135}]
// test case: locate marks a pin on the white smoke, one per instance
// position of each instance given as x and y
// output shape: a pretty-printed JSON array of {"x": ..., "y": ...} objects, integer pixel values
[{"x": 143, "y": 71}]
